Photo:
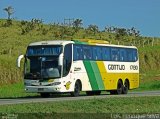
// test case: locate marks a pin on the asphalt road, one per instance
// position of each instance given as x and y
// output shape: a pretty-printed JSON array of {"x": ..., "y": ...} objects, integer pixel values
[{"x": 68, "y": 98}]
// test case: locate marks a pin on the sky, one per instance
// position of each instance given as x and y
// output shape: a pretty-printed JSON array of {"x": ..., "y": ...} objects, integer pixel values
[{"x": 144, "y": 15}]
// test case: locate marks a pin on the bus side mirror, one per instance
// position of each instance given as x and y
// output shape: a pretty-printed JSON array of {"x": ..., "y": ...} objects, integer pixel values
[
  {"x": 60, "y": 60},
  {"x": 19, "y": 61}
]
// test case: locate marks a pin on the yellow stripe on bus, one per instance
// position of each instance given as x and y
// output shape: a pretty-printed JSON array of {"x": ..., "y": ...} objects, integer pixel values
[{"x": 103, "y": 72}]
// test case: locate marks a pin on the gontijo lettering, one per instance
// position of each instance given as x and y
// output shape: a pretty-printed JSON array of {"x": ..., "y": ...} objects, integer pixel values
[{"x": 116, "y": 67}]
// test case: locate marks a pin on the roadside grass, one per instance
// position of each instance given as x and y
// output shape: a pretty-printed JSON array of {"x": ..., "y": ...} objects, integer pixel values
[
  {"x": 14, "y": 91},
  {"x": 150, "y": 80},
  {"x": 107, "y": 105}
]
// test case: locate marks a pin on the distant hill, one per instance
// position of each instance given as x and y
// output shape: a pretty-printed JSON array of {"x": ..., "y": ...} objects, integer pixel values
[{"x": 16, "y": 35}]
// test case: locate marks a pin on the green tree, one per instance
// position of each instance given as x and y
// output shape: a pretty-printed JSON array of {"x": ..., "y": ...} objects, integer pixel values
[
  {"x": 9, "y": 11},
  {"x": 135, "y": 32},
  {"x": 93, "y": 28},
  {"x": 77, "y": 24},
  {"x": 121, "y": 31}
]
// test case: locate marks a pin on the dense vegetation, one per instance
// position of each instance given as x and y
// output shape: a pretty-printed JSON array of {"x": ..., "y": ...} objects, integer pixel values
[{"x": 16, "y": 35}]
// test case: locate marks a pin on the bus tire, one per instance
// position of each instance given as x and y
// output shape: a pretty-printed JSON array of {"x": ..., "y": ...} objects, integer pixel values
[
  {"x": 77, "y": 89},
  {"x": 119, "y": 87},
  {"x": 45, "y": 95},
  {"x": 125, "y": 87}
]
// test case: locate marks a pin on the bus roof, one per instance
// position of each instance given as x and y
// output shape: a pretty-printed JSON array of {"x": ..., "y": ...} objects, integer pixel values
[
  {"x": 100, "y": 43},
  {"x": 53, "y": 42},
  {"x": 64, "y": 42}
]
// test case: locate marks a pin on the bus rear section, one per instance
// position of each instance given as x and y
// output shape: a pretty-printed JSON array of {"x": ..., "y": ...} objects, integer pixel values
[{"x": 110, "y": 68}]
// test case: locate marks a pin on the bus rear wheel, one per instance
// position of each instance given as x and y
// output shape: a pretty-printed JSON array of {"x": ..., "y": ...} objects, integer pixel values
[
  {"x": 119, "y": 89},
  {"x": 125, "y": 87},
  {"x": 77, "y": 89}
]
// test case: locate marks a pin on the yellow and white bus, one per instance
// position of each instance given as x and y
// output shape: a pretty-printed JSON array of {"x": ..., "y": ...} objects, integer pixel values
[{"x": 61, "y": 66}]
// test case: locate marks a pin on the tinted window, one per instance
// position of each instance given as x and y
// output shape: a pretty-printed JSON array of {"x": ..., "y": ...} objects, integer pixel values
[
  {"x": 135, "y": 56},
  {"x": 129, "y": 55},
  {"x": 114, "y": 54},
  {"x": 67, "y": 59},
  {"x": 106, "y": 53},
  {"x": 97, "y": 53},
  {"x": 77, "y": 52},
  {"x": 87, "y": 52},
  {"x": 123, "y": 54}
]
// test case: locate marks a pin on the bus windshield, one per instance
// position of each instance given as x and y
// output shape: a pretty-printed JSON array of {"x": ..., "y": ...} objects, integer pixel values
[
  {"x": 41, "y": 62},
  {"x": 42, "y": 67}
]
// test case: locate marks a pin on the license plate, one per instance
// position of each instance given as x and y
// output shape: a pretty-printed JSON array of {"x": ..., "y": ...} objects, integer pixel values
[{"x": 40, "y": 89}]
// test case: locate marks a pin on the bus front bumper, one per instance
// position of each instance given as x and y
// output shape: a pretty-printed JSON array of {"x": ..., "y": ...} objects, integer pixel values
[{"x": 40, "y": 89}]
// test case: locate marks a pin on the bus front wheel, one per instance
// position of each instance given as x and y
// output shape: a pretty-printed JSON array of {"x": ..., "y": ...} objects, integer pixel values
[{"x": 77, "y": 89}]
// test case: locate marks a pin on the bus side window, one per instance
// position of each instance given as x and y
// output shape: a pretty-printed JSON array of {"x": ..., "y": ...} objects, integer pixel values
[
  {"x": 114, "y": 54},
  {"x": 106, "y": 53},
  {"x": 135, "y": 57},
  {"x": 97, "y": 53},
  {"x": 122, "y": 54},
  {"x": 95, "y": 57},
  {"x": 77, "y": 55},
  {"x": 129, "y": 55},
  {"x": 87, "y": 52}
]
